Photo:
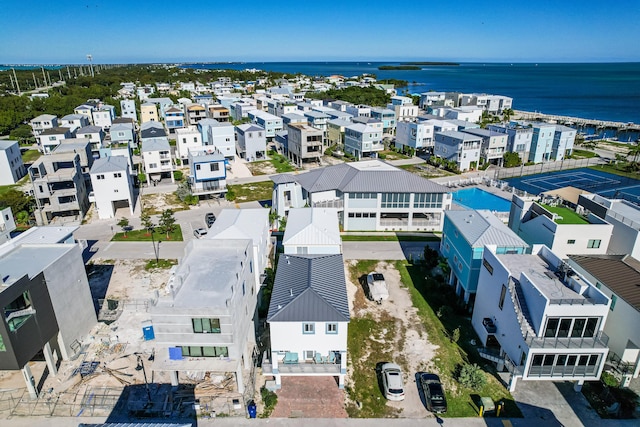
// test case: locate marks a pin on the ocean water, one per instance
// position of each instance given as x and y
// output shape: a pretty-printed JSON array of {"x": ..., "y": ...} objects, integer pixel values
[{"x": 602, "y": 91}]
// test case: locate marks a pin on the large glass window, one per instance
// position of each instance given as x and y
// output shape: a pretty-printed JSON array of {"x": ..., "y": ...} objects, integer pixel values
[
  {"x": 19, "y": 311},
  {"x": 197, "y": 351},
  {"x": 571, "y": 327},
  {"x": 206, "y": 326},
  {"x": 427, "y": 200},
  {"x": 395, "y": 200}
]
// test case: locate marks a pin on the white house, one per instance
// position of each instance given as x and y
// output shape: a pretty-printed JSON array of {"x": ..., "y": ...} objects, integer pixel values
[
  {"x": 617, "y": 276},
  {"x": 95, "y": 135},
  {"x": 362, "y": 140},
  {"x": 156, "y": 158},
  {"x": 559, "y": 228},
  {"x": 7, "y": 224},
  {"x": 49, "y": 139},
  {"x": 539, "y": 319},
  {"x": 308, "y": 319},
  {"x": 85, "y": 110},
  {"x": 128, "y": 109},
  {"x": 222, "y": 137},
  {"x": 208, "y": 174},
  {"x": 43, "y": 122},
  {"x": 12, "y": 168},
  {"x": 403, "y": 107},
  {"x": 418, "y": 135},
  {"x": 312, "y": 231},
  {"x": 459, "y": 147},
  {"x": 74, "y": 122},
  {"x": 103, "y": 117},
  {"x": 251, "y": 142},
  {"x": 112, "y": 186},
  {"x": 188, "y": 138}
]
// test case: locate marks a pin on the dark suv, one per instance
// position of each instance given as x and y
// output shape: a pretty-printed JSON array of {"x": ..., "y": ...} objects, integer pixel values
[
  {"x": 433, "y": 393},
  {"x": 209, "y": 219}
]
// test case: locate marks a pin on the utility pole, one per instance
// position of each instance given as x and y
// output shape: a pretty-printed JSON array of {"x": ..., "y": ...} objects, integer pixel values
[
  {"x": 90, "y": 59},
  {"x": 35, "y": 82},
  {"x": 16, "y": 79},
  {"x": 68, "y": 72},
  {"x": 49, "y": 76},
  {"x": 12, "y": 85},
  {"x": 60, "y": 73},
  {"x": 44, "y": 76}
]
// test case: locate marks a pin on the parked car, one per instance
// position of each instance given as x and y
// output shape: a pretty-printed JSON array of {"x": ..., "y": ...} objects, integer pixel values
[
  {"x": 209, "y": 219},
  {"x": 200, "y": 232},
  {"x": 433, "y": 393},
  {"x": 376, "y": 287},
  {"x": 392, "y": 381}
]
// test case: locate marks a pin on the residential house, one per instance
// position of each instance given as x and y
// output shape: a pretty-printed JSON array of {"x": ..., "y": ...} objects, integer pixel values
[
  {"x": 207, "y": 172},
  {"x": 293, "y": 118},
  {"x": 466, "y": 234},
  {"x": 304, "y": 143},
  {"x": 112, "y": 185},
  {"x": 152, "y": 130},
  {"x": 559, "y": 228},
  {"x": 94, "y": 134},
  {"x": 82, "y": 148},
  {"x": 43, "y": 122},
  {"x": 336, "y": 114},
  {"x": 429, "y": 99},
  {"x": 156, "y": 158},
  {"x": 222, "y": 137},
  {"x": 541, "y": 142},
  {"x": 85, "y": 110},
  {"x": 362, "y": 140},
  {"x": 163, "y": 105},
  {"x": 122, "y": 133},
  {"x": 403, "y": 108},
  {"x": 494, "y": 145},
  {"x": 369, "y": 195},
  {"x": 494, "y": 104},
  {"x": 39, "y": 281},
  {"x": 174, "y": 119},
  {"x": 144, "y": 92},
  {"x": 271, "y": 124},
  {"x": 312, "y": 231},
  {"x": 11, "y": 167},
  {"x": 49, "y": 139},
  {"x": 540, "y": 320},
  {"x": 7, "y": 224},
  {"x": 251, "y": 143},
  {"x": 59, "y": 187},
  {"x": 459, "y": 147},
  {"x": 128, "y": 109},
  {"x": 148, "y": 113},
  {"x": 339, "y": 106},
  {"x": 617, "y": 277},
  {"x": 518, "y": 138},
  {"x": 195, "y": 113},
  {"x": 74, "y": 122},
  {"x": 103, "y": 116},
  {"x": 335, "y": 130},
  {"x": 308, "y": 319},
  {"x": 187, "y": 139},
  {"x": 206, "y": 321},
  {"x": 358, "y": 110},
  {"x": 219, "y": 113},
  {"x": 418, "y": 135},
  {"x": 563, "y": 139},
  {"x": 468, "y": 114},
  {"x": 318, "y": 120},
  {"x": 388, "y": 118}
]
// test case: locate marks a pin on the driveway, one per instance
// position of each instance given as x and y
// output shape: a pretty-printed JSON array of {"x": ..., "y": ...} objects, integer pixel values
[
  {"x": 309, "y": 397},
  {"x": 385, "y": 250}
]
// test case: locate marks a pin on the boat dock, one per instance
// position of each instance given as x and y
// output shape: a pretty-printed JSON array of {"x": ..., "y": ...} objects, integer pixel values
[{"x": 566, "y": 120}]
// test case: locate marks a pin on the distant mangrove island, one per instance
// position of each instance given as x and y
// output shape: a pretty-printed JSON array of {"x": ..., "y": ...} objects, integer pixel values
[{"x": 415, "y": 65}]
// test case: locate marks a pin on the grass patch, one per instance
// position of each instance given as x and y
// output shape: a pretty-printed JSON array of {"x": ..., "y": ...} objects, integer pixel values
[
  {"x": 30, "y": 156},
  {"x": 281, "y": 163},
  {"x": 254, "y": 191},
  {"x": 583, "y": 154},
  {"x": 162, "y": 264},
  {"x": 389, "y": 238},
  {"x": 426, "y": 171},
  {"x": 392, "y": 155},
  {"x": 145, "y": 236},
  {"x": 617, "y": 169},
  {"x": 428, "y": 295},
  {"x": 565, "y": 215}
]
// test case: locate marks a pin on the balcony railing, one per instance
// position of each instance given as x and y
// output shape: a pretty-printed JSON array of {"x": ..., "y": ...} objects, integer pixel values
[
  {"x": 600, "y": 340},
  {"x": 337, "y": 203},
  {"x": 563, "y": 371},
  {"x": 302, "y": 367}
]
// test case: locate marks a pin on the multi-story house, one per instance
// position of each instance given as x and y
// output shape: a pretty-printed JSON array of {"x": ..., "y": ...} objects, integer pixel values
[
  {"x": 617, "y": 276},
  {"x": 312, "y": 231},
  {"x": 494, "y": 104},
  {"x": 518, "y": 138},
  {"x": 43, "y": 122},
  {"x": 85, "y": 110},
  {"x": 148, "y": 113},
  {"x": 541, "y": 142},
  {"x": 82, "y": 148},
  {"x": 358, "y": 110},
  {"x": 207, "y": 172},
  {"x": 122, "y": 133},
  {"x": 539, "y": 319},
  {"x": 369, "y": 195},
  {"x": 219, "y": 113},
  {"x": 362, "y": 140},
  {"x": 156, "y": 158},
  {"x": 468, "y": 114},
  {"x": 466, "y": 234},
  {"x": 187, "y": 139},
  {"x": 208, "y": 319},
  {"x": 195, "y": 113},
  {"x": 308, "y": 319},
  {"x": 304, "y": 143},
  {"x": 59, "y": 187},
  {"x": 163, "y": 105},
  {"x": 459, "y": 147},
  {"x": 240, "y": 109},
  {"x": 112, "y": 185},
  {"x": 403, "y": 107},
  {"x": 39, "y": 281},
  {"x": 251, "y": 143},
  {"x": 429, "y": 99},
  {"x": 563, "y": 139},
  {"x": 12, "y": 168},
  {"x": 49, "y": 139},
  {"x": 418, "y": 135},
  {"x": 318, "y": 120},
  {"x": 74, "y": 122},
  {"x": 388, "y": 118},
  {"x": 7, "y": 225},
  {"x": 559, "y": 228},
  {"x": 293, "y": 118},
  {"x": 222, "y": 137},
  {"x": 271, "y": 124},
  {"x": 103, "y": 117},
  {"x": 93, "y": 134},
  {"x": 152, "y": 130},
  {"x": 335, "y": 130},
  {"x": 128, "y": 109},
  {"x": 494, "y": 145},
  {"x": 174, "y": 119}
]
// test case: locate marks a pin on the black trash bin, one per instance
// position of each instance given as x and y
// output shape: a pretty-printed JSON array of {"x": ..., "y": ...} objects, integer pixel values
[{"x": 251, "y": 409}]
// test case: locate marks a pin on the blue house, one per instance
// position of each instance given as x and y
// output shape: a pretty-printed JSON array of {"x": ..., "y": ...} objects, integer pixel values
[
  {"x": 174, "y": 118},
  {"x": 465, "y": 236},
  {"x": 542, "y": 142}
]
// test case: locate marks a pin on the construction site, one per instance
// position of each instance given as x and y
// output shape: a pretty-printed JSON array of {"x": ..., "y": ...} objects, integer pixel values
[{"x": 112, "y": 374}]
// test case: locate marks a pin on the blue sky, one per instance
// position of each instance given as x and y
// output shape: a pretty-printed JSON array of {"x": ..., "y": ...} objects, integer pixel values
[{"x": 173, "y": 31}]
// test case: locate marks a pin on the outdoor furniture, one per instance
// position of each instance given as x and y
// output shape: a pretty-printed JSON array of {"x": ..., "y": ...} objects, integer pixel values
[
  {"x": 331, "y": 358},
  {"x": 290, "y": 358},
  {"x": 318, "y": 358}
]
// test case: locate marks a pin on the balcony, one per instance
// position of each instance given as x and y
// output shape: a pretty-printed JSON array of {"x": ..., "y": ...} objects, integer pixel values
[
  {"x": 300, "y": 367},
  {"x": 600, "y": 340},
  {"x": 337, "y": 203}
]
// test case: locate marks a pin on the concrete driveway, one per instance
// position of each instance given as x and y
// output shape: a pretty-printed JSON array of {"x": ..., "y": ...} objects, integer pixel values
[{"x": 385, "y": 250}]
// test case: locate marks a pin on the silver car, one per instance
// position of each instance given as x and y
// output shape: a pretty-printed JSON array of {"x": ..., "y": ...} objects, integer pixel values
[
  {"x": 200, "y": 232},
  {"x": 392, "y": 381}
]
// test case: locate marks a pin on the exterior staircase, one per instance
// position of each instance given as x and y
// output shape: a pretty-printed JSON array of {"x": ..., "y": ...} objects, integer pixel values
[{"x": 521, "y": 309}]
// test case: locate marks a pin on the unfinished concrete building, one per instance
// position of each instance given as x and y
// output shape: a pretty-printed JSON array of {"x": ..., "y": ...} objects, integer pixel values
[{"x": 304, "y": 143}]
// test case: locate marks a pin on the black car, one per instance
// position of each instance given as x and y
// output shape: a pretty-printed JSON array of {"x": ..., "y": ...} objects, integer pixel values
[
  {"x": 433, "y": 393},
  {"x": 209, "y": 219}
]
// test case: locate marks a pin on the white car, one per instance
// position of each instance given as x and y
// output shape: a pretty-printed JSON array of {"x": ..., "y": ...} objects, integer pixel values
[
  {"x": 376, "y": 287},
  {"x": 200, "y": 232},
  {"x": 392, "y": 381}
]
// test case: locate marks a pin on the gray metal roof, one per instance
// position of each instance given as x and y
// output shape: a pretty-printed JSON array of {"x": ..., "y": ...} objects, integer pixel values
[
  {"x": 155, "y": 144},
  {"x": 152, "y": 133},
  {"x": 110, "y": 164},
  {"x": 366, "y": 176},
  {"x": 481, "y": 228},
  {"x": 6, "y": 143},
  {"x": 89, "y": 129},
  {"x": 309, "y": 288}
]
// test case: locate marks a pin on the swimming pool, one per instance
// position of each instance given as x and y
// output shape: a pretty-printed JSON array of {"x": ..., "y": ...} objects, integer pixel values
[{"x": 476, "y": 198}]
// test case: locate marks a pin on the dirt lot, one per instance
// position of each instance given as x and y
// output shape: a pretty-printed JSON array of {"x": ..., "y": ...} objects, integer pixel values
[{"x": 410, "y": 344}]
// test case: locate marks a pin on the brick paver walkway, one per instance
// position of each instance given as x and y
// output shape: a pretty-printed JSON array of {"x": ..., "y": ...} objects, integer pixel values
[{"x": 310, "y": 397}]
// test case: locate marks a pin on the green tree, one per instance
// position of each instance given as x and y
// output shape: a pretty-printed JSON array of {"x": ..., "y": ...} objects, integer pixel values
[
  {"x": 472, "y": 376},
  {"x": 167, "y": 222},
  {"x": 147, "y": 223},
  {"x": 22, "y": 134},
  {"x": 16, "y": 200},
  {"x": 506, "y": 114},
  {"x": 124, "y": 224},
  {"x": 634, "y": 151},
  {"x": 455, "y": 335},
  {"x": 511, "y": 160}
]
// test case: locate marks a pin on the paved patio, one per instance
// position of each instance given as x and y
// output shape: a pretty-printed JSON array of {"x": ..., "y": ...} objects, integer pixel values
[{"x": 310, "y": 397}]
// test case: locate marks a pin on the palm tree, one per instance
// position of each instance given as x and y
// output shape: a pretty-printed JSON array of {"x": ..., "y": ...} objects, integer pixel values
[{"x": 634, "y": 151}]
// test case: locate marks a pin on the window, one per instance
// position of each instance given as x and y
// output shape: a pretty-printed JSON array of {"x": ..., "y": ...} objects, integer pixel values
[
  {"x": 206, "y": 326},
  {"x": 427, "y": 200},
  {"x": 214, "y": 167},
  {"x": 332, "y": 328},
  {"x": 308, "y": 328},
  {"x": 18, "y": 311},
  {"x": 117, "y": 175},
  {"x": 571, "y": 242},
  {"x": 99, "y": 176},
  {"x": 503, "y": 293},
  {"x": 395, "y": 200},
  {"x": 593, "y": 243},
  {"x": 613, "y": 302},
  {"x": 197, "y": 167},
  {"x": 488, "y": 266},
  {"x": 195, "y": 351}
]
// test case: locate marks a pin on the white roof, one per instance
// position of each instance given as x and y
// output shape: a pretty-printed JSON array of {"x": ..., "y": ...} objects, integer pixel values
[
  {"x": 240, "y": 224},
  {"x": 312, "y": 226}
]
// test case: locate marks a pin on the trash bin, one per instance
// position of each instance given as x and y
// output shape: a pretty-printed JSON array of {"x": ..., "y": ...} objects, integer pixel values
[{"x": 251, "y": 408}]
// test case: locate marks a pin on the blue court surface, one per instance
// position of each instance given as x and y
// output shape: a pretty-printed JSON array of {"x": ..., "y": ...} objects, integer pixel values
[{"x": 594, "y": 181}]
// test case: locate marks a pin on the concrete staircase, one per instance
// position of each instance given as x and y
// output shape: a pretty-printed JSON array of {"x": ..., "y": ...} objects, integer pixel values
[{"x": 521, "y": 309}]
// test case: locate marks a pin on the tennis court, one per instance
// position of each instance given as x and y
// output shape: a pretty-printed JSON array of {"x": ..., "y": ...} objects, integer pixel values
[{"x": 594, "y": 181}]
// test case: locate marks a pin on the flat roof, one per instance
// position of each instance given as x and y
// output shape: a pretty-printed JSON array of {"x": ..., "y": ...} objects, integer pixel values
[
  {"x": 47, "y": 234},
  {"x": 30, "y": 260},
  {"x": 565, "y": 215}
]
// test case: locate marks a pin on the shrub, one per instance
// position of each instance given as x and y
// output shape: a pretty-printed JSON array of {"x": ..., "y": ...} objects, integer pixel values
[
  {"x": 142, "y": 178},
  {"x": 230, "y": 195},
  {"x": 609, "y": 380},
  {"x": 382, "y": 156},
  {"x": 471, "y": 376},
  {"x": 178, "y": 163},
  {"x": 178, "y": 175},
  {"x": 455, "y": 335},
  {"x": 269, "y": 399},
  {"x": 444, "y": 311}
]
